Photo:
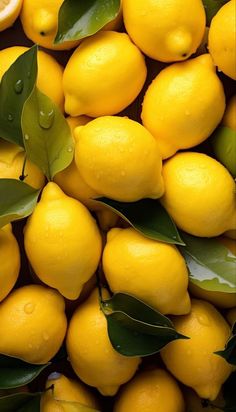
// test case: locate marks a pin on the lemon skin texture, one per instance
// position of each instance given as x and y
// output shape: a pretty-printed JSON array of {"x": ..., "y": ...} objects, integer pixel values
[
  {"x": 222, "y": 35},
  {"x": 90, "y": 351},
  {"x": 208, "y": 333},
  {"x": 9, "y": 13},
  {"x": 199, "y": 194},
  {"x": 40, "y": 22},
  {"x": 97, "y": 81},
  {"x": 151, "y": 391},
  {"x": 165, "y": 30},
  {"x": 65, "y": 390},
  {"x": 127, "y": 165},
  {"x": 10, "y": 260},
  {"x": 62, "y": 242},
  {"x": 12, "y": 159},
  {"x": 48, "y": 68},
  {"x": 146, "y": 268},
  {"x": 177, "y": 107},
  {"x": 32, "y": 323}
]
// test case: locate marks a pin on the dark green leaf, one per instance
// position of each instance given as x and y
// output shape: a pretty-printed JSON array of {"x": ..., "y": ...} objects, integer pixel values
[
  {"x": 17, "y": 200},
  {"x": 211, "y": 264},
  {"x": 148, "y": 217},
  {"x": 79, "y": 19},
  {"x": 229, "y": 353},
  {"x": 16, "y": 86},
  {"x": 212, "y": 7},
  {"x": 47, "y": 136},
  {"x": 136, "y": 329},
  {"x": 20, "y": 402},
  {"x": 223, "y": 142},
  {"x": 229, "y": 393}
]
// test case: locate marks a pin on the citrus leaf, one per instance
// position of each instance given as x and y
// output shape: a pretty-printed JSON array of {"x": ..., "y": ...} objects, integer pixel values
[
  {"x": 136, "y": 329},
  {"x": 229, "y": 352},
  {"x": 16, "y": 86},
  {"x": 223, "y": 142},
  {"x": 20, "y": 402},
  {"x": 17, "y": 200},
  {"x": 229, "y": 393},
  {"x": 148, "y": 217},
  {"x": 212, "y": 7},
  {"x": 79, "y": 19},
  {"x": 47, "y": 136},
  {"x": 211, "y": 264}
]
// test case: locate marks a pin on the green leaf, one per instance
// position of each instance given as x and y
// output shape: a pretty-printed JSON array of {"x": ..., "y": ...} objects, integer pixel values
[
  {"x": 148, "y": 217},
  {"x": 16, "y": 86},
  {"x": 79, "y": 19},
  {"x": 20, "y": 402},
  {"x": 17, "y": 200},
  {"x": 136, "y": 329},
  {"x": 47, "y": 136},
  {"x": 229, "y": 352},
  {"x": 211, "y": 264},
  {"x": 223, "y": 142},
  {"x": 229, "y": 393},
  {"x": 212, "y": 7}
]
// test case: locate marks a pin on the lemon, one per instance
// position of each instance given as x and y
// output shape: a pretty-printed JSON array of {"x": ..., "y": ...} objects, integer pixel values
[
  {"x": 62, "y": 242},
  {"x": 231, "y": 316},
  {"x": 196, "y": 404},
  {"x": 90, "y": 351},
  {"x": 48, "y": 68},
  {"x": 12, "y": 158},
  {"x": 9, "y": 11},
  {"x": 193, "y": 361},
  {"x": 32, "y": 323},
  {"x": 62, "y": 392},
  {"x": 104, "y": 75},
  {"x": 127, "y": 165},
  {"x": 149, "y": 391},
  {"x": 199, "y": 194},
  {"x": 177, "y": 107},
  {"x": 146, "y": 268},
  {"x": 229, "y": 119},
  {"x": 165, "y": 30},
  {"x": 10, "y": 261},
  {"x": 222, "y": 39},
  {"x": 40, "y": 22}
]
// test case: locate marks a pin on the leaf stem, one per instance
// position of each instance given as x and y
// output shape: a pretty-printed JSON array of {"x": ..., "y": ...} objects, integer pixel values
[{"x": 22, "y": 177}]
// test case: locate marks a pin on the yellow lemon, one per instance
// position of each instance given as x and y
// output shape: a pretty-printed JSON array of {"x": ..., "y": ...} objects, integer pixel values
[
  {"x": 62, "y": 393},
  {"x": 12, "y": 158},
  {"x": 199, "y": 194},
  {"x": 195, "y": 404},
  {"x": 151, "y": 391},
  {"x": 9, "y": 11},
  {"x": 146, "y": 268},
  {"x": 231, "y": 316},
  {"x": 193, "y": 361},
  {"x": 62, "y": 242},
  {"x": 177, "y": 107},
  {"x": 90, "y": 351},
  {"x": 32, "y": 323},
  {"x": 127, "y": 165},
  {"x": 229, "y": 118},
  {"x": 48, "y": 68},
  {"x": 10, "y": 261},
  {"x": 222, "y": 35},
  {"x": 97, "y": 81},
  {"x": 165, "y": 30},
  {"x": 40, "y": 22}
]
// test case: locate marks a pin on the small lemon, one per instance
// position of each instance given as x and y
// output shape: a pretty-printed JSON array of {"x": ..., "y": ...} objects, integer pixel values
[
  {"x": 62, "y": 393},
  {"x": 104, "y": 75},
  {"x": 32, "y": 323},
  {"x": 9, "y": 11},
  {"x": 231, "y": 316},
  {"x": 146, "y": 268},
  {"x": 12, "y": 158},
  {"x": 48, "y": 68},
  {"x": 165, "y": 30},
  {"x": 193, "y": 361},
  {"x": 149, "y": 391},
  {"x": 90, "y": 351},
  {"x": 177, "y": 107},
  {"x": 127, "y": 165},
  {"x": 62, "y": 242},
  {"x": 10, "y": 261},
  {"x": 222, "y": 35},
  {"x": 229, "y": 119},
  {"x": 199, "y": 194}
]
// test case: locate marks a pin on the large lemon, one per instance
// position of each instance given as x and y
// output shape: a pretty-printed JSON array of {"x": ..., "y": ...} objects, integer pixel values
[
  {"x": 10, "y": 260},
  {"x": 9, "y": 11}
]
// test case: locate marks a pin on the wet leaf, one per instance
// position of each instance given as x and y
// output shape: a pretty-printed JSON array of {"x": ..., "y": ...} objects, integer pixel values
[
  {"x": 148, "y": 217},
  {"x": 212, "y": 7},
  {"x": 20, "y": 402},
  {"x": 79, "y": 19},
  {"x": 229, "y": 352}
]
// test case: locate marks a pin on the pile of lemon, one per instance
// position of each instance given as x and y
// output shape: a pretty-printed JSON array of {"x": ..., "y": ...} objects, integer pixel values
[{"x": 69, "y": 235}]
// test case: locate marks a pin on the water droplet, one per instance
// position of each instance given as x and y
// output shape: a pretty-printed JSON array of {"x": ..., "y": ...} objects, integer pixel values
[
  {"x": 203, "y": 320},
  {"x": 29, "y": 308},
  {"x": 28, "y": 74},
  {"x": 10, "y": 117},
  {"x": 46, "y": 118},
  {"x": 187, "y": 112},
  {"x": 118, "y": 346},
  {"x": 26, "y": 137},
  {"x": 19, "y": 86},
  {"x": 98, "y": 176},
  {"x": 45, "y": 336},
  {"x": 30, "y": 345},
  {"x": 123, "y": 173},
  {"x": 69, "y": 149},
  {"x": 54, "y": 375}
]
